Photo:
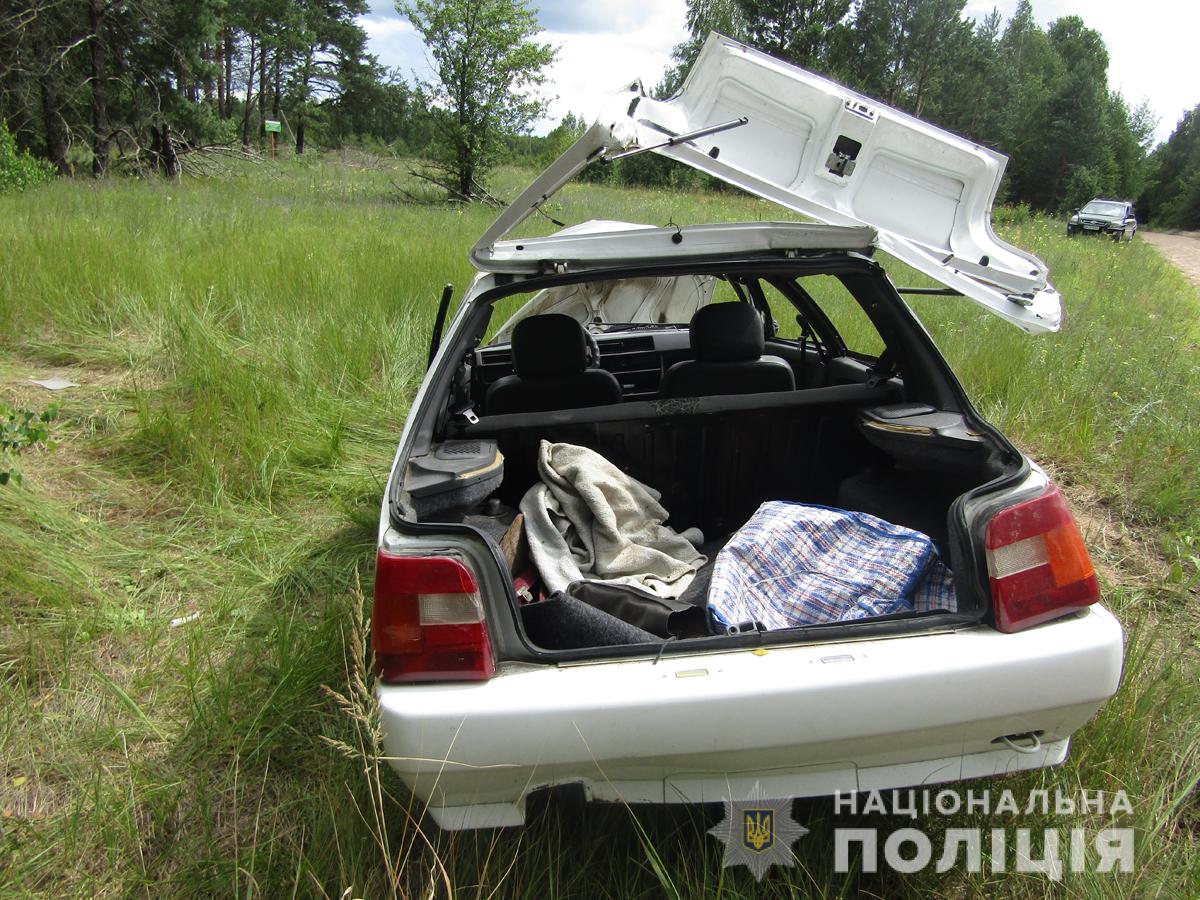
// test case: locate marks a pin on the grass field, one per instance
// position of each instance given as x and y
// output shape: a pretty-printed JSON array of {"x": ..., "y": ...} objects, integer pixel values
[{"x": 246, "y": 349}]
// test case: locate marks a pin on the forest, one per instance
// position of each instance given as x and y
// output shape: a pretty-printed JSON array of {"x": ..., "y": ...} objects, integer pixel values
[{"x": 93, "y": 86}]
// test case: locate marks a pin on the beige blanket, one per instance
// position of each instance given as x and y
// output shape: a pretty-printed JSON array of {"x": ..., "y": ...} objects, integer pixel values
[{"x": 587, "y": 519}]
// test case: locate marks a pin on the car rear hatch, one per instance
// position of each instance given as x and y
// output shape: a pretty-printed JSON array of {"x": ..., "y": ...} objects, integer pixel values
[{"x": 818, "y": 149}]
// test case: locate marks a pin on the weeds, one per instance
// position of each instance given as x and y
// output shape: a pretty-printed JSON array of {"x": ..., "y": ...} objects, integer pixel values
[
  {"x": 20, "y": 169},
  {"x": 20, "y": 430}
]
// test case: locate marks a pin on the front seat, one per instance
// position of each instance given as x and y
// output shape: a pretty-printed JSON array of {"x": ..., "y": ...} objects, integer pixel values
[
  {"x": 550, "y": 362},
  {"x": 727, "y": 341}
]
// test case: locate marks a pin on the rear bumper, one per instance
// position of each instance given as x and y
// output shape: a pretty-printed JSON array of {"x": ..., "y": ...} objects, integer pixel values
[{"x": 801, "y": 721}]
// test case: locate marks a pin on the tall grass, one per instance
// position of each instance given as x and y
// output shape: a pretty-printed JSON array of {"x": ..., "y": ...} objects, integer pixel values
[
  {"x": 247, "y": 349},
  {"x": 1107, "y": 397}
]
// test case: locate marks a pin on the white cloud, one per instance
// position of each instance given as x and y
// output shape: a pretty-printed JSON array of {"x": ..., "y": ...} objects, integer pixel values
[
  {"x": 613, "y": 16},
  {"x": 593, "y": 66},
  {"x": 602, "y": 47},
  {"x": 395, "y": 43}
]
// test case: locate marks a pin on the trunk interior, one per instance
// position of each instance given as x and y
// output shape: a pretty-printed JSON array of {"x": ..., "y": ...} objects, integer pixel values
[
  {"x": 715, "y": 460},
  {"x": 715, "y": 470},
  {"x": 801, "y": 400}
]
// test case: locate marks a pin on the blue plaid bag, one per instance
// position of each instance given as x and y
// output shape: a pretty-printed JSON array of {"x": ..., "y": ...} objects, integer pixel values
[{"x": 798, "y": 564}]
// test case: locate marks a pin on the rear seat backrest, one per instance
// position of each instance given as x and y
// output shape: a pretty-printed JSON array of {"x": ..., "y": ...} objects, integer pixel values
[
  {"x": 550, "y": 365},
  {"x": 727, "y": 341}
]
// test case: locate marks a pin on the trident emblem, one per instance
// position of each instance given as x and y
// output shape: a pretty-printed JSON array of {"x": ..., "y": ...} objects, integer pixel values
[
  {"x": 760, "y": 829},
  {"x": 758, "y": 832}
]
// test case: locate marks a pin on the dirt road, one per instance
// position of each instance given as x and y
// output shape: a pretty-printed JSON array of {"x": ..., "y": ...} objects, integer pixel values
[{"x": 1183, "y": 249}]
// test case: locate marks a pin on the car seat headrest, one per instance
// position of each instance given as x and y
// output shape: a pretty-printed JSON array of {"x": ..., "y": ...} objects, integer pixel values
[
  {"x": 547, "y": 345},
  {"x": 726, "y": 332}
]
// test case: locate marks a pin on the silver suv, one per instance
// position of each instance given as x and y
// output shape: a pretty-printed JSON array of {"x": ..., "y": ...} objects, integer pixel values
[{"x": 1115, "y": 218}]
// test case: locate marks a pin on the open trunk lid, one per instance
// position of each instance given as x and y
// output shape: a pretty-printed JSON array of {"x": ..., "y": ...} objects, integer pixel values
[{"x": 819, "y": 149}]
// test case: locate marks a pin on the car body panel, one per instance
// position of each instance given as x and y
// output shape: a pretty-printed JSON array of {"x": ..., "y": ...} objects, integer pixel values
[
  {"x": 607, "y": 244},
  {"x": 929, "y": 193},
  {"x": 659, "y": 300},
  {"x": 800, "y": 720},
  {"x": 631, "y": 301}
]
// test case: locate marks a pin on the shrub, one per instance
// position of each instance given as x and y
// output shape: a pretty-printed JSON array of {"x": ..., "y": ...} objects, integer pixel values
[
  {"x": 1012, "y": 215},
  {"x": 20, "y": 430},
  {"x": 19, "y": 169},
  {"x": 1183, "y": 210},
  {"x": 199, "y": 123}
]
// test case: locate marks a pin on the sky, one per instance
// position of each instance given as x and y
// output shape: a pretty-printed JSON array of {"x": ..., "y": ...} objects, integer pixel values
[{"x": 606, "y": 44}]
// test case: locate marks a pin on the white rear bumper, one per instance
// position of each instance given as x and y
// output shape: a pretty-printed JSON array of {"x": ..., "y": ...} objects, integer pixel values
[{"x": 801, "y": 721}]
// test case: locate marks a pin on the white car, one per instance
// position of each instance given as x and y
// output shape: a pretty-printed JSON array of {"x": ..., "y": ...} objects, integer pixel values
[{"x": 612, "y": 349}]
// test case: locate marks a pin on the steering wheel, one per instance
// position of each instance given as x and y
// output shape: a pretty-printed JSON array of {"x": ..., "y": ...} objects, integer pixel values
[{"x": 593, "y": 349}]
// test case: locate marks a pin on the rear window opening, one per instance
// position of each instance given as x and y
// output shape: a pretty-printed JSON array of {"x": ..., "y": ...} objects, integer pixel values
[{"x": 793, "y": 398}]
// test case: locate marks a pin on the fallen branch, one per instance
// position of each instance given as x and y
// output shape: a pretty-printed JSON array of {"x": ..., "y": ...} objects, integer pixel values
[{"x": 445, "y": 178}]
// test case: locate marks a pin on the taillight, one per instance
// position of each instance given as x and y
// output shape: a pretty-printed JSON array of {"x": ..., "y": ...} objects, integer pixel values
[
  {"x": 427, "y": 622},
  {"x": 1039, "y": 567}
]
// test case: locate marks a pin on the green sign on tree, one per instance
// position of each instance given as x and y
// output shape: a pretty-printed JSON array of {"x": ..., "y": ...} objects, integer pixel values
[{"x": 270, "y": 125}]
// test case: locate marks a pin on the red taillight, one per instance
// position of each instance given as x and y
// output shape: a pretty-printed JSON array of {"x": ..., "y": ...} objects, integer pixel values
[
  {"x": 1039, "y": 567},
  {"x": 427, "y": 622}
]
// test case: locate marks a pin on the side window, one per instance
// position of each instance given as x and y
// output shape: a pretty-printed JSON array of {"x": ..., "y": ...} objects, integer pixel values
[
  {"x": 837, "y": 303},
  {"x": 724, "y": 292}
]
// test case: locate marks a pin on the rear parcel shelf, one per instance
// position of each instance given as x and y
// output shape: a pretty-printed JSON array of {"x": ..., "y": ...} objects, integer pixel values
[{"x": 835, "y": 395}]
